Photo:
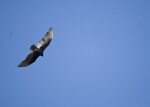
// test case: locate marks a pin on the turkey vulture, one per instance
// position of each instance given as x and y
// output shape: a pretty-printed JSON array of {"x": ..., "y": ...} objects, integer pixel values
[{"x": 37, "y": 51}]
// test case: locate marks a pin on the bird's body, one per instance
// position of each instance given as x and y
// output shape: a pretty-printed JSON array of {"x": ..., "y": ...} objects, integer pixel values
[{"x": 37, "y": 50}]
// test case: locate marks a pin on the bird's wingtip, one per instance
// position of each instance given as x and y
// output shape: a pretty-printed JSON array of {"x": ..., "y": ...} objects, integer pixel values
[
  {"x": 19, "y": 65},
  {"x": 50, "y": 28}
]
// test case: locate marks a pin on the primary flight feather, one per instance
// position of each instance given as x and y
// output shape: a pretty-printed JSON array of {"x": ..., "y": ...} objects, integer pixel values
[{"x": 37, "y": 50}]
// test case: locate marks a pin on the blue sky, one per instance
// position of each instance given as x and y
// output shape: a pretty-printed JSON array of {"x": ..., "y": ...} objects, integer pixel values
[{"x": 99, "y": 56}]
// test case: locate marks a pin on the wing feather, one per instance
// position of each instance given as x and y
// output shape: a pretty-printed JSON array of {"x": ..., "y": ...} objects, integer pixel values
[
  {"x": 47, "y": 38},
  {"x": 45, "y": 45},
  {"x": 29, "y": 59}
]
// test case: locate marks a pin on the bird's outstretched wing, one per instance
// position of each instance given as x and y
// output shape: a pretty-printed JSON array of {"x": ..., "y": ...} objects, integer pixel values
[
  {"x": 37, "y": 51},
  {"x": 29, "y": 59},
  {"x": 46, "y": 40}
]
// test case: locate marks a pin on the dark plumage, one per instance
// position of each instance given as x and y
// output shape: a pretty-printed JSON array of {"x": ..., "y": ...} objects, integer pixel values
[{"x": 37, "y": 51}]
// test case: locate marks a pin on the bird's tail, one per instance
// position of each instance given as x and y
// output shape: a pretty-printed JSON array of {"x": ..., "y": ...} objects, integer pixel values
[{"x": 33, "y": 47}]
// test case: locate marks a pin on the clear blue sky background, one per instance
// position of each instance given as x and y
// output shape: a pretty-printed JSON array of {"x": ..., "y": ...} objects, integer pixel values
[{"x": 99, "y": 56}]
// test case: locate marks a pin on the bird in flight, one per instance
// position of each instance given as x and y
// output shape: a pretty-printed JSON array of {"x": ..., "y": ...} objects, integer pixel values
[{"x": 37, "y": 50}]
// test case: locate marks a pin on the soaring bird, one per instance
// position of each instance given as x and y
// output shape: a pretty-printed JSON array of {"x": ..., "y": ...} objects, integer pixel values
[{"x": 37, "y": 51}]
